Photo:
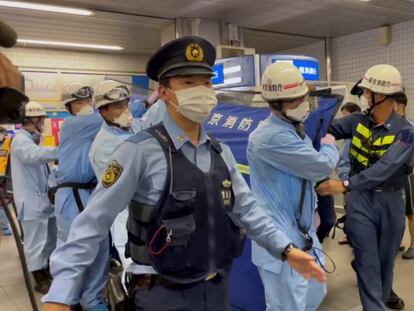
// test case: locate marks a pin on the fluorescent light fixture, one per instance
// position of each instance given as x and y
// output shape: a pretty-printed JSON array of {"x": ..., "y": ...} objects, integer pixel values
[
  {"x": 232, "y": 69},
  {"x": 45, "y": 8},
  {"x": 71, "y": 44},
  {"x": 233, "y": 80}
]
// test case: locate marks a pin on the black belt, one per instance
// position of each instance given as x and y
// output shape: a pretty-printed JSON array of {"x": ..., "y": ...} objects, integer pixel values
[
  {"x": 151, "y": 280},
  {"x": 75, "y": 189}
]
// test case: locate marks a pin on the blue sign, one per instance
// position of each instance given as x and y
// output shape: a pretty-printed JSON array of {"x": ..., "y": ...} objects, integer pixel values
[
  {"x": 308, "y": 66},
  {"x": 141, "y": 81},
  {"x": 218, "y": 72},
  {"x": 235, "y": 72}
]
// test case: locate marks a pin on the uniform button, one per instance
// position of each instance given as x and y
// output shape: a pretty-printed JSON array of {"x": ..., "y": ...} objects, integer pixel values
[{"x": 181, "y": 139}]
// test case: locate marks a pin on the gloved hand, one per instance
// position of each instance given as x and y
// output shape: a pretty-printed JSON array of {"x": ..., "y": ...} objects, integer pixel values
[{"x": 328, "y": 139}]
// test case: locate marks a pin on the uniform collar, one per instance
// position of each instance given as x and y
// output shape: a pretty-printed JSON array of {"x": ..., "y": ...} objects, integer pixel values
[
  {"x": 26, "y": 133},
  {"x": 116, "y": 129},
  {"x": 280, "y": 122},
  {"x": 177, "y": 134},
  {"x": 388, "y": 123}
]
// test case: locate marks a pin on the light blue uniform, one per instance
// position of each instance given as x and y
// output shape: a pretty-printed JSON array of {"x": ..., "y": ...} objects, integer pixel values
[
  {"x": 106, "y": 142},
  {"x": 143, "y": 179},
  {"x": 155, "y": 113},
  {"x": 279, "y": 161},
  {"x": 76, "y": 137},
  {"x": 30, "y": 184}
]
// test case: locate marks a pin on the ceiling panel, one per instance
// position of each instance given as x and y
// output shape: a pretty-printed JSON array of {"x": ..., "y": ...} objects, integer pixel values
[
  {"x": 137, "y": 34},
  {"x": 136, "y": 24},
  {"x": 322, "y": 18}
]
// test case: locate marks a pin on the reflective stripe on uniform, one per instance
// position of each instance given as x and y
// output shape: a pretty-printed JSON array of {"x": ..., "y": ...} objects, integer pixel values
[
  {"x": 359, "y": 157},
  {"x": 244, "y": 169}
]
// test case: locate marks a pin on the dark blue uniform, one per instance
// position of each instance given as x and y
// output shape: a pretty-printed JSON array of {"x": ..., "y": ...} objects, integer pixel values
[{"x": 380, "y": 156}]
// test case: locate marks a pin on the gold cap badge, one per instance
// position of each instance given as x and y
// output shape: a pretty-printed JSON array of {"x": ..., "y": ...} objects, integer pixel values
[{"x": 194, "y": 53}]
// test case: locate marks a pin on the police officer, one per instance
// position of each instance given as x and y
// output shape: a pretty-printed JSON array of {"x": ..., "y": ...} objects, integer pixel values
[
  {"x": 381, "y": 148},
  {"x": 30, "y": 172},
  {"x": 112, "y": 101},
  {"x": 76, "y": 180},
  {"x": 187, "y": 200},
  {"x": 284, "y": 167}
]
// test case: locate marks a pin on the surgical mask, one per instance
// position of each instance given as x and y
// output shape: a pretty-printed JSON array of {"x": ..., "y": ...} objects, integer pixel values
[
  {"x": 125, "y": 119},
  {"x": 85, "y": 110},
  {"x": 300, "y": 113},
  {"x": 196, "y": 103},
  {"x": 363, "y": 103}
]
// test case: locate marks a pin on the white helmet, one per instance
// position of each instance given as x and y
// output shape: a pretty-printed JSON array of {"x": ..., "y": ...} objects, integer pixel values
[
  {"x": 75, "y": 91},
  {"x": 282, "y": 80},
  {"x": 382, "y": 79},
  {"x": 108, "y": 92},
  {"x": 34, "y": 109}
]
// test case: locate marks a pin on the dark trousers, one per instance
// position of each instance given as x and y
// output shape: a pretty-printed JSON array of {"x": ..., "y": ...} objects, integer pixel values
[
  {"x": 375, "y": 224},
  {"x": 203, "y": 296},
  {"x": 326, "y": 210}
]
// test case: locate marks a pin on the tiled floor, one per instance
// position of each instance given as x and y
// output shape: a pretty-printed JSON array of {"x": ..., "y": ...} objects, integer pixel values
[{"x": 342, "y": 293}]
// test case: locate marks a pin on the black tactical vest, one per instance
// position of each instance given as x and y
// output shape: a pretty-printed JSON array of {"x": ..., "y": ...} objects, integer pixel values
[{"x": 189, "y": 234}]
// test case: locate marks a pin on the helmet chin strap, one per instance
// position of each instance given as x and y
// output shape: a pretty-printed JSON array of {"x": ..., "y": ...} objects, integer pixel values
[
  {"x": 371, "y": 109},
  {"x": 36, "y": 125},
  {"x": 299, "y": 126}
]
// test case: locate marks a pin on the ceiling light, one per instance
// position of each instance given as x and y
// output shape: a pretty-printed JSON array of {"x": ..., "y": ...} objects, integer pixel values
[
  {"x": 45, "y": 7},
  {"x": 70, "y": 44}
]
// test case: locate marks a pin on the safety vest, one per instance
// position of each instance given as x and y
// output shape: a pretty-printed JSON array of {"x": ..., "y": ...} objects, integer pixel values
[
  {"x": 364, "y": 150},
  {"x": 4, "y": 156},
  {"x": 189, "y": 234}
]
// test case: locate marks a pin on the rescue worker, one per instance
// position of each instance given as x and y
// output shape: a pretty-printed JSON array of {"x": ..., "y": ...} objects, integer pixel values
[
  {"x": 400, "y": 102},
  {"x": 112, "y": 102},
  {"x": 274, "y": 151},
  {"x": 30, "y": 172},
  {"x": 76, "y": 181},
  {"x": 381, "y": 148},
  {"x": 187, "y": 200}
]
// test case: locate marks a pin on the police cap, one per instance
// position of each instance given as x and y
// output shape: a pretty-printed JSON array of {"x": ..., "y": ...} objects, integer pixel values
[{"x": 184, "y": 56}]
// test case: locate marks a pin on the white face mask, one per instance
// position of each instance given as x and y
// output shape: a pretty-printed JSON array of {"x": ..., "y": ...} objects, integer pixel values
[
  {"x": 363, "y": 103},
  {"x": 85, "y": 111},
  {"x": 300, "y": 113},
  {"x": 125, "y": 119},
  {"x": 196, "y": 103}
]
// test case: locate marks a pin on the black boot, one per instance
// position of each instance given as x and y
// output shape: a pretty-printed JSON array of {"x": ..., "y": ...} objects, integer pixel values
[
  {"x": 42, "y": 281},
  {"x": 394, "y": 302}
]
